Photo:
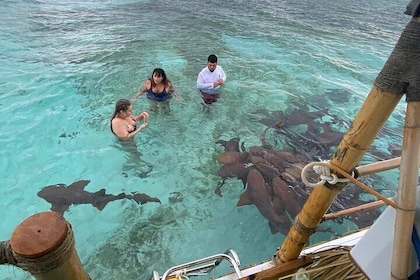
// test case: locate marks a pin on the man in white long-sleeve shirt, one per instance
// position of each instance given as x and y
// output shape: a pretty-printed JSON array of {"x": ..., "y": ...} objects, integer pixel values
[{"x": 210, "y": 79}]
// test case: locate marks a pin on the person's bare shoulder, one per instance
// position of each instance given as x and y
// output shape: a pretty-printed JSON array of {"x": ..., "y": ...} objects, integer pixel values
[
  {"x": 147, "y": 83},
  {"x": 116, "y": 121}
]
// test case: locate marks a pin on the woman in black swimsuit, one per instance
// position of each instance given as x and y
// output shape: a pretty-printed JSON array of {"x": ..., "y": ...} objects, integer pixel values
[
  {"x": 159, "y": 89},
  {"x": 123, "y": 123}
]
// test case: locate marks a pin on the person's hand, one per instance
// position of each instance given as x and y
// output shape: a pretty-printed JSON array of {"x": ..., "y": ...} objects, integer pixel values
[
  {"x": 144, "y": 114},
  {"x": 218, "y": 83},
  {"x": 143, "y": 125},
  {"x": 133, "y": 99}
]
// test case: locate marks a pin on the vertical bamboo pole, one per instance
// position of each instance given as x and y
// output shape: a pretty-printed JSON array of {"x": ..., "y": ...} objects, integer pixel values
[
  {"x": 406, "y": 195},
  {"x": 43, "y": 245},
  {"x": 408, "y": 64},
  {"x": 370, "y": 119}
]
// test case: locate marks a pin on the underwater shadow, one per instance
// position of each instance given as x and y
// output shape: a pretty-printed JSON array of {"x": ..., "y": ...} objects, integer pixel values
[{"x": 134, "y": 163}]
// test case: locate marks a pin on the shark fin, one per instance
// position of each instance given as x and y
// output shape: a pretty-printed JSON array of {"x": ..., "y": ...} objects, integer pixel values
[
  {"x": 245, "y": 199},
  {"x": 60, "y": 208},
  {"x": 274, "y": 227},
  {"x": 142, "y": 198},
  {"x": 79, "y": 185},
  {"x": 122, "y": 195},
  {"x": 102, "y": 199},
  {"x": 100, "y": 192},
  {"x": 100, "y": 205}
]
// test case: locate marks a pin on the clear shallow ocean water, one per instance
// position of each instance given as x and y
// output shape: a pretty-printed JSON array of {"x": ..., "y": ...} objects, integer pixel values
[{"x": 63, "y": 64}]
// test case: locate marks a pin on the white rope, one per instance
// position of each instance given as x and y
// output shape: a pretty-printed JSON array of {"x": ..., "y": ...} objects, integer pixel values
[
  {"x": 180, "y": 274},
  {"x": 323, "y": 172}
]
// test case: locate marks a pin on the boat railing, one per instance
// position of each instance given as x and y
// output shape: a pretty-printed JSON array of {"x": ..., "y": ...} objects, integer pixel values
[{"x": 201, "y": 266}]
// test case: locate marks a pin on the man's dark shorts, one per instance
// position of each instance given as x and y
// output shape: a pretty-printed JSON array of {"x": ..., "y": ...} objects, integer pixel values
[{"x": 209, "y": 98}]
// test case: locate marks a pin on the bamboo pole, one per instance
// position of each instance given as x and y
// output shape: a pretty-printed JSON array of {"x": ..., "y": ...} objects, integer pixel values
[
  {"x": 406, "y": 195},
  {"x": 378, "y": 166},
  {"x": 363, "y": 207},
  {"x": 43, "y": 245},
  {"x": 370, "y": 119}
]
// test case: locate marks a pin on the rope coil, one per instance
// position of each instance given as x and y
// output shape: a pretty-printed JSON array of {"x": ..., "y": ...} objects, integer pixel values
[
  {"x": 6, "y": 253},
  {"x": 324, "y": 173}
]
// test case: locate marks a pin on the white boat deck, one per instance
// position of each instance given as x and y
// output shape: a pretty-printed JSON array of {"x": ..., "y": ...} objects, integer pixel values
[{"x": 348, "y": 240}]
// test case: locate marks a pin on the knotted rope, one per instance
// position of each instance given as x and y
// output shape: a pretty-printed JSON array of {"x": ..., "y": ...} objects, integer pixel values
[
  {"x": 324, "y": 173},
  {"x": 6, "y": 253},
  {"x": 324, "y": 168}
]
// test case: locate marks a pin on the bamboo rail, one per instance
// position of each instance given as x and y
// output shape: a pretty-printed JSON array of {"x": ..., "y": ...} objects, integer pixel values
[
  {"x": 378, "y": 166},
  {"x": 363, "y": 207},
  {"x": 43, "y": 245}
]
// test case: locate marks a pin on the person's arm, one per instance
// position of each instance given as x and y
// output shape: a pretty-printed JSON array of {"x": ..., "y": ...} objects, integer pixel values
[
  {"x": 173, "y": 92},
  {"x": 120, "y": 130},
  {"x": 143, "y": 89},
  {"x": 222, "y": 75},
  {"x": 135, "y": 132},
  {"x": 202, "y": 81},
  {"x": 142, "y": 115}
]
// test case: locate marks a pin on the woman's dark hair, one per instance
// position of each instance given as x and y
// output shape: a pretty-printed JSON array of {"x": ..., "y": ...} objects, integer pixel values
[
  {"x": 160, "y": 73},
  {"x": 121, "y": 104}
]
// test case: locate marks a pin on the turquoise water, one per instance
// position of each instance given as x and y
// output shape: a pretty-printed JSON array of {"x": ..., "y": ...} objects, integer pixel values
[{"x": 63, "y": 65}]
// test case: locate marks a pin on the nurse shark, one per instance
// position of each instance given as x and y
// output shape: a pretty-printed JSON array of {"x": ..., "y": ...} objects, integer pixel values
[{"x": 62, "y": 196}]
